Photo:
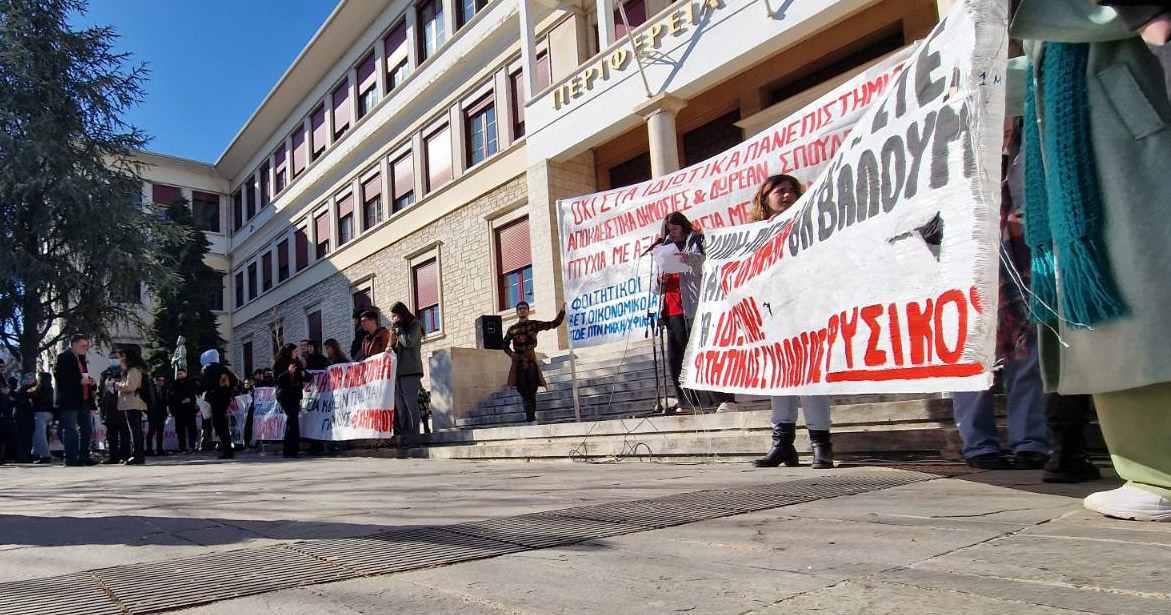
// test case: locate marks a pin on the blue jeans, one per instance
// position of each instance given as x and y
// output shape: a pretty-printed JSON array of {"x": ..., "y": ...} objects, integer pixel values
[
  {"x": 73, "y": 421},
  {"x": 41, "y": 434},
  {"x": 975, "y": 413}
]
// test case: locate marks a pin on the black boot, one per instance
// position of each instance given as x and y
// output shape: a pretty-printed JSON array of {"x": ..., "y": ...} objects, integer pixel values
[
  {"x": 1067, "y": 417},
  {"x": 782, "y": 451},
  {"x": 823, "y": 450}
]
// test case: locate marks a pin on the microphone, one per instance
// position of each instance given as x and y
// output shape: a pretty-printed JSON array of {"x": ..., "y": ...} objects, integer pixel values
[{"x": 658, "y": 242}]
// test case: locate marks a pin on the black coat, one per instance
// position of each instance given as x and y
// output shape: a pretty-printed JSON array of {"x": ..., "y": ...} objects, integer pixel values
[
  {"x": 290, "y": 388},
  {"x": 316, "y": 362},
  {"x": 356, "y": 345},
  {"x": 218, "y": 396},
  {"x": 67, "y": 381},
  {"x": 181, "y": 395}
]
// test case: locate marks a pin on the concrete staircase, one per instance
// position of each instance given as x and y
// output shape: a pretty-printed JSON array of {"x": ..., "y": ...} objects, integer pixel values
[{"x": 615, "y": 381}]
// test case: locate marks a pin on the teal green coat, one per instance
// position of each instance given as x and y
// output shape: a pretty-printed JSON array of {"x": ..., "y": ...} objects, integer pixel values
[{"x": 1130, "y": 117}]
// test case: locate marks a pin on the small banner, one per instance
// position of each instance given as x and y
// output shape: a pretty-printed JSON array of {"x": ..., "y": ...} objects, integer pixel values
[{"x": 883, "y": 276}]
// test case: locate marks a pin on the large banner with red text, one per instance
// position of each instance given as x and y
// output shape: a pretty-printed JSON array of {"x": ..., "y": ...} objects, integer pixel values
[
  {"x": 882, "y": 277},
  {"x": 350, "y": 401},
  {"x": 606, "y": 236}
]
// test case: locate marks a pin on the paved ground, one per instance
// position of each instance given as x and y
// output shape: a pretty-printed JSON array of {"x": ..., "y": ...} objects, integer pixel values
[{"x": 983, "y": 543}]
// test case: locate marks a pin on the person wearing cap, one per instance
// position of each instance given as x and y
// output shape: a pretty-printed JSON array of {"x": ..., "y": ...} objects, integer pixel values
[{"x": 219, "y": 386}]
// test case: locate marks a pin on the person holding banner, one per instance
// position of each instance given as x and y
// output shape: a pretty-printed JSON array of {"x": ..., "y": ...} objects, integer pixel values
[
  {"x": 1097, "y": 113},
  {"x": 406, "y": 337},
  {"x": 679, "y": 298},
  {"x": 290, "y": 389},
  {"x": 520, "y": 343},
  {"x": 774, "y": 197},
  {"x": 377, "y": 338}
]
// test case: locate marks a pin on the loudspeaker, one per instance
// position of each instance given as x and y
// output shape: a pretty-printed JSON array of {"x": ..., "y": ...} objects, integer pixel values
[{"x": 490, "y": 333}]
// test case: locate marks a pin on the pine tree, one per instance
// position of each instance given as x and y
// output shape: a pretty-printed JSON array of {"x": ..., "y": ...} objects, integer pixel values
[
  {"x": 74, "y": 240},
  {"x": 184, "y": 309}
]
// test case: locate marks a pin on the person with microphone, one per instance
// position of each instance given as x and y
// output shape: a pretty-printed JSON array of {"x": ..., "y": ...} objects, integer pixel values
[{"x": 678, "y": 300}]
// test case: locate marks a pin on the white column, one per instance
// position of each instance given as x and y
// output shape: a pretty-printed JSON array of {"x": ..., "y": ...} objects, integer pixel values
[
  {"x": 380, "y": 68},
  {"x": 450, "y": 21},
  {"x": 659, "y": 113},
  {"x": 605, "y": 23},
  {"x": 413, "y": 37},
  {"x": 353, "y": 87},
  {"x": 528, "y": 47},
  {"x": 459, "y": 155},
  {"x": 418, "y": 155},
  {"x": 944, "y": 7}
]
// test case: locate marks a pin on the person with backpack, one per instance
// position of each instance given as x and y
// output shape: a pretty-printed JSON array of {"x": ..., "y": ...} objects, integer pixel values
[
  {"x": 133, "y": 400},
  {"x": 219, "y": 385}
]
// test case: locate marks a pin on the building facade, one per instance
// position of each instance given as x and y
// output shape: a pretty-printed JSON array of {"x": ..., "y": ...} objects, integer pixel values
[{"x": 415, "y": 151}]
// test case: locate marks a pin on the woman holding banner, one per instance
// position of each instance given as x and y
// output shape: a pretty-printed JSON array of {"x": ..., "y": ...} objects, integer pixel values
[
  {"x": 290, "y": 388},
  {"x": 679, "y": 298},
  {"x": 775, "y": 196}
]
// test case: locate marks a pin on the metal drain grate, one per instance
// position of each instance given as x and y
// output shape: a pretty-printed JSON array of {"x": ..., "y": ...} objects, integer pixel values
[{"x": 163, "y": 586}]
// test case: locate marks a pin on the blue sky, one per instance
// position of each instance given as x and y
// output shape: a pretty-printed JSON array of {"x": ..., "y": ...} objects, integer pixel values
[{"x": 211, "y": 62}]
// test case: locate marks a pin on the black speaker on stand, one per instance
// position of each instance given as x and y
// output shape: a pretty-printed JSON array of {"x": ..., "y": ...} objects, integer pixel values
[{"x": 490, "y": 333}]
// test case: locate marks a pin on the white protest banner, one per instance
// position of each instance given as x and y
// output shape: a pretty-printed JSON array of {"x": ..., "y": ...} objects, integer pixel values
[
  {"x": 883, "y": 276},
  {"x": 268, "y": 420},
  {"x": 351, "y": 401},
  {"x": 604, "y": 235}
]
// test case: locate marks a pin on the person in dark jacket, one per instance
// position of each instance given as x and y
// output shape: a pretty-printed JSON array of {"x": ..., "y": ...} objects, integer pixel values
[
  {"x": 333, "y": 352},
  {"x": 115, "y": 422},
  {"x": 311, "y": 355},
  {"x": 407, "y": 336},
  {"x": 290, "y": 388},
  {"x": 219, "y": 386},
  {"x": 75, "y": 397},
  {"x": 520, "y": 343},
  {"x": 359, "y": 334},
  {"x": 9, "y": 388},
  {"x": 22, "y": 417},
  {"x": 40, "y": 399},
  {"x": 156, "y": 416},
  {"x": 181, "y": 403}
]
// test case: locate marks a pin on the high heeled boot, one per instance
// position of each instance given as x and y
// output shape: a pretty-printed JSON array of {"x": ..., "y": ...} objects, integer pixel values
[{"x": 782, "y": 452}]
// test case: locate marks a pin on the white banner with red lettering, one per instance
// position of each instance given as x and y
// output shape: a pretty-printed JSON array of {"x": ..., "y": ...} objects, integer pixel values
[
  {"x": 883, "y": 276},
  {"x": 604, "y": 235},
  {"x": 351, "y": 401}
]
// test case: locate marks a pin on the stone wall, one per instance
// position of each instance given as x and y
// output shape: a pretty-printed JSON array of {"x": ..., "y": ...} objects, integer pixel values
[{"x": 462, "y": 240}]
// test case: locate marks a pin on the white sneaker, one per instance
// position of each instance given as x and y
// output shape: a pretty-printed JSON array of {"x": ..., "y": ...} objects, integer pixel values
[
  {"x": 728, "y": 406},
  {"x": 1127, "y": 502}
]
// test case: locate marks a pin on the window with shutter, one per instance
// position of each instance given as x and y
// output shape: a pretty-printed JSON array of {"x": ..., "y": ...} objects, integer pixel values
[
  {"x": 404, "y": 182},
  {"x": 397, "y": 56},
  {"x": 237, "y": 210},
  {"x": 301, "y": 237},
  {"x": 427, "y": 295},
  {"x": 281, "y": 176},
  {"x": 264, "y": 194},
  {"x": 438, "y": 150},
  {"x": 635, "y": 15},
  {"x": 367, "y": 86},
  {"x": 480, "y": 130},
  {"x": 323, "y": 231},
  {"x": 205, "y": 206},
  {"x": 240, "y": 299},
  {"x": 341, "y": 108},
  {"x": 372, "y": 202},
  {"x": 345, "y": 219},
  {"x": 266, "y": 273},
  {"x": 514, "y": 263},
  {"x": 252, "y": 281},
  {"x": 299, "y": 151},
  {"x": 282, "y": 261},
  {"x": 316, "y": 332},
  {"x": 164, "y": 195},
  {"x": 317, "y": 131},
  {"x": 517, "y": 83}
]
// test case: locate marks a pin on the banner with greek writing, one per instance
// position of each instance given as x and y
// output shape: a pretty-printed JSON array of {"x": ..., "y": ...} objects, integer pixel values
[
  {"x": 352, "y": 401},
  {"x": 883, "y": 276},
  {"x": 604, "y": 236},
  {"x": 268, "y": 420}
]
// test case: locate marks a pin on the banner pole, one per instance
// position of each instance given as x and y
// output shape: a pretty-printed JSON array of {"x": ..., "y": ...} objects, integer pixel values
[{"x": 573, "y": 375}]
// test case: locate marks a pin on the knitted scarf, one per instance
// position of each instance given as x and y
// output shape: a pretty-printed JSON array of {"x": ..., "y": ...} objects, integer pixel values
[{"x": 1063, "y": 202}]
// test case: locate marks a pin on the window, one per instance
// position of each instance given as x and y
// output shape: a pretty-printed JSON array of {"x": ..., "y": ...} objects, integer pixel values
[
  {"x": 372, "y": 202},
  {"x": 514, "y": 262},
  {"x": 313, "y": 320},
  {"x": 438, "y": 156},
  {"x": 248, "y": 358},
  {"x": 322, "y": 223},
  {"x": 240, "y": 289},
  {"x": 237, "y": 210},
  {"x": 397, "y": 61},
  {"x": 164, "y": 195},
  {"x": 264, "y": 194},
  {"x": 252, "y": 280},
  {"x": 403, "y": 171},
  {"x": 517, "y": 85},
  {"x": 712, "y": 138},
  {"x": 431, "y": 31},
  {"x": 480, "y": 130},
  {"x": 426, "y": 280},
  {"x": 345, "y": 219},
  {"x": 282, "y": 261},
  {"x": 367, "y": 86},
  {"x": 468, "y": 9},
  {"x": 250, "y": 197},
  {"x": 301, "y": 237},
  {"x": 282, "y": 176},
  {"x": 266, "y": 274},
  {"x": 217, "y": 299},
  {"x": 633, "y": 171},
  {"x": 299, "y": 151},
  {"x": 341, "y": 109},
  {"x": 635, "y": 14},
  {"x": 317, "y": 131},
  {"x": 205, "y": 206},
  {"x": 544, "y": 71},
  {"x": 363, "y": 298}
]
